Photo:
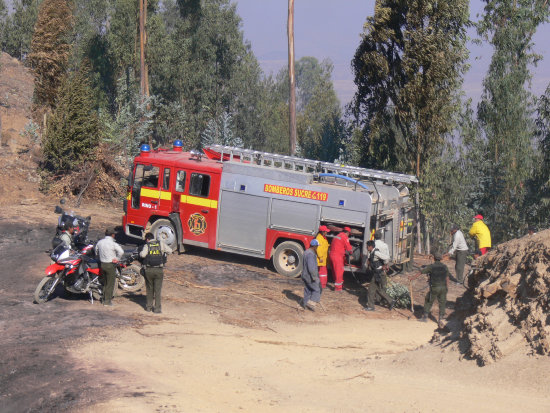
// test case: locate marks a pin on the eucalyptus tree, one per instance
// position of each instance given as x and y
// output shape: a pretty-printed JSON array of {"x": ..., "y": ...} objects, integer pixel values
[
  {"x": 408, "y": 69},
  {"x": 507, "y": 108}
]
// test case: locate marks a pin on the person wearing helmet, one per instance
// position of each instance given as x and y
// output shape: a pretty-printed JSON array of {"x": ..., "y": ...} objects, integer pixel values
[
  {"x": 339, "y": 247},
  {"x": 310, "y": 277},
  {"x": 439, "y": 279},
  {"x": 66, "y": 236},
  {"x": 481, "y": 233},
  {"x": 322, "y": 254}
]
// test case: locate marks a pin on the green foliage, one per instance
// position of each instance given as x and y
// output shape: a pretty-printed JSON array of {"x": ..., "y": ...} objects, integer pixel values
[
  {"x": 90, "y": 44},
  {"x": 319, "y": 125},
  {"x": 506, "y": 110},
  {"x": 50, "y": 49},
  {"x": 134, "y": 118},
  {"x": 408, "y": 71},
  {"x": 209, "y": 69},
  {"x": 122, "y": 36},
  {"x": 399, "y": 293},
  {"x": 219, "y": 131},
  {"x": 73, "y": 131},
  {"x": 537, "y": 200},
  {"x": 31, "y": 132},
  {"x": 16, "y": 35}
]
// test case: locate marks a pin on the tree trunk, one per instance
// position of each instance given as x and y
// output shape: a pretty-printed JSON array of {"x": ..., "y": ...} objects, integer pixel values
[
  {"x": 428, "y": 245},
  {"x": 144, "y": 77},
  {"x": 291, "y": 78},
  {"x": 417, "y": 207}
]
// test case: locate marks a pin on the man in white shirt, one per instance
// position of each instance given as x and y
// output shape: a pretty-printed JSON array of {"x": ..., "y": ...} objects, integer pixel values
[
  {"x": 460, "y": 251},
  {"x": 383, "y": 248},
  {"x": 108, "y": 253}
]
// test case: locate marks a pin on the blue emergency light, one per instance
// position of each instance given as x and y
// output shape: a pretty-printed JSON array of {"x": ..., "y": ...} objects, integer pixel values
[
  {"x": 178, "y": 143},
  {"x": 145, "y": 148}
]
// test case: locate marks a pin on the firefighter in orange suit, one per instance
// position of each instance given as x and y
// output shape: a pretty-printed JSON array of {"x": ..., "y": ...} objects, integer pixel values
[
  {"x": 339, "y": 247},
  {"x": 322, "y": 254}
]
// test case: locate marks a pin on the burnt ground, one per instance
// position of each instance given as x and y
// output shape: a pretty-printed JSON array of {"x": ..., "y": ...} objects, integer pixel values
[{"x": 36, "y": 372}]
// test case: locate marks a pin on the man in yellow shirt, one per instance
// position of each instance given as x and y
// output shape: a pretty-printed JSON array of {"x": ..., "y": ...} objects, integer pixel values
[
  {"x": 322, "y": 254},
  {"x": 481, "y": 233}
]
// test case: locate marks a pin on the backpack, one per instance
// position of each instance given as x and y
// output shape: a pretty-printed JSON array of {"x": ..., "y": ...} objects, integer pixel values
[{"x": 154, "y": 256}]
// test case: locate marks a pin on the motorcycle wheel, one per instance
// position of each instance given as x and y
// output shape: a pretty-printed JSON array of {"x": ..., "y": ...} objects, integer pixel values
[
  {"x": 98, "y": 296},
  {"x": 42, "y": 292},
  {"x": 131, "y": 279}
]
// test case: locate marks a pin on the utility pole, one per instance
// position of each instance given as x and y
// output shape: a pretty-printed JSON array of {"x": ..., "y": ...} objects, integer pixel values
[
  {"x": 144, "y": 75},
  {"x": 291, "y": 78}
]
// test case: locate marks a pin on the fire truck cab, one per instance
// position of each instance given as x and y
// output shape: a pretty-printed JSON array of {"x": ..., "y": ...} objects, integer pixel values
[{"x": 264, "y": 205}]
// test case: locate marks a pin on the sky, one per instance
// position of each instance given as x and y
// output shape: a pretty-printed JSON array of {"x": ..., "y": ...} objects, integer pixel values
[{"x": 331, "y": 29}]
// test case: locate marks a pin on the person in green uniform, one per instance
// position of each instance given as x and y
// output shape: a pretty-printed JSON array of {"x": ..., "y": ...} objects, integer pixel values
[
  {"x": 154, "y": 253},
  {"x": 439, "y": 277}
]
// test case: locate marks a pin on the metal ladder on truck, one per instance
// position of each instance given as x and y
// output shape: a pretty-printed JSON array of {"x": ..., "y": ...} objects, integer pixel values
[{"x": 294, "y": 163}]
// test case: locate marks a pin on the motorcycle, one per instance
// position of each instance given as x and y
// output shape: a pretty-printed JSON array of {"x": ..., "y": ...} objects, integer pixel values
[
  {"x": 79, "y": 273},
  {"x": 129, "y": 275}
]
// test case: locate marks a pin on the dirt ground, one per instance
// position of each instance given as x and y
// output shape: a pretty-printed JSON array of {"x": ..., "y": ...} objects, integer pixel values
[{"x": 231, "y": 338}]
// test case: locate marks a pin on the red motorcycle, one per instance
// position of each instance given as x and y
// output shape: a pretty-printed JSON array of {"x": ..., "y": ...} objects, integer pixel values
[{"x": 79, "y": 273}]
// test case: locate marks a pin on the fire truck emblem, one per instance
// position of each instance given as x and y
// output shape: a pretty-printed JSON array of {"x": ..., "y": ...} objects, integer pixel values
[{"x": 197, "y": 224}]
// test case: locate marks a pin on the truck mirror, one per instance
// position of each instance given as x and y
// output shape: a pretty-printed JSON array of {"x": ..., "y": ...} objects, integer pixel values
[
  {"x": 62, "y": 201},
  {"x": 58, "y": 209}
]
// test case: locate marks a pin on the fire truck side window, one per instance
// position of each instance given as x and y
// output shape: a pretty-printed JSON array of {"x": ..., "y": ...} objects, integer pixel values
[
  {"x": 166, "y": 179},
  {"x": 180, "y": 181},
  {"x": 151, "y": 177},
  {"x": 200, "y": 185},
  {"x": 138, "y": 176}
]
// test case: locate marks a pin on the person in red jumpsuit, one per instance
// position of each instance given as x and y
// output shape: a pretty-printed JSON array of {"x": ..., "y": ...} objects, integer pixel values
[{"x": 339, "y": 247}]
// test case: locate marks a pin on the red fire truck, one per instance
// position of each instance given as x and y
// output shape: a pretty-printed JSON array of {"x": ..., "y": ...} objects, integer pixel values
[{"x": 264, "y": 205}]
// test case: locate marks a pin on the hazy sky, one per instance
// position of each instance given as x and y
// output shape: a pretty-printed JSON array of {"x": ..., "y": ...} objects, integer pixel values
[{"x": 331, "y": 29}]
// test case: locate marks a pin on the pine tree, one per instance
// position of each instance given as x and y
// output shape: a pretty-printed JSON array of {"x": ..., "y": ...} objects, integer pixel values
[
  {"x": 73, "y": 131},
  {"x": 506, "y": 110},
  {"x": 50, "y": 49}
]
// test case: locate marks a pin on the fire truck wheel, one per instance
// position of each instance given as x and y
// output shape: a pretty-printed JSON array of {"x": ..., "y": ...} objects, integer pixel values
[
  {"x": 163, "y": 229},
  {"x": 287, "y": 258}
]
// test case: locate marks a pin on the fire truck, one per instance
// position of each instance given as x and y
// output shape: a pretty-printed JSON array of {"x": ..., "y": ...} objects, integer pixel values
[{"x": 264, "y": 205}]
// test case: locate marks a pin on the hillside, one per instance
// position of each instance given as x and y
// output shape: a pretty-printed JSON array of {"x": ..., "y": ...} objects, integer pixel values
[{"x": 18, "y": 154}]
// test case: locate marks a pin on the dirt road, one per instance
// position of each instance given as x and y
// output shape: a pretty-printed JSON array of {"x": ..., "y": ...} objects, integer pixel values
[{"x": 231, "y": 338}]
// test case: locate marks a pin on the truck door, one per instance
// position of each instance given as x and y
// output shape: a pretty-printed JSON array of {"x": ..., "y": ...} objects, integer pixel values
[
  {"x": 145, "y": 189},
  {"x": 165, "y": 199},
  {"x": 198, "y": 209}
]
